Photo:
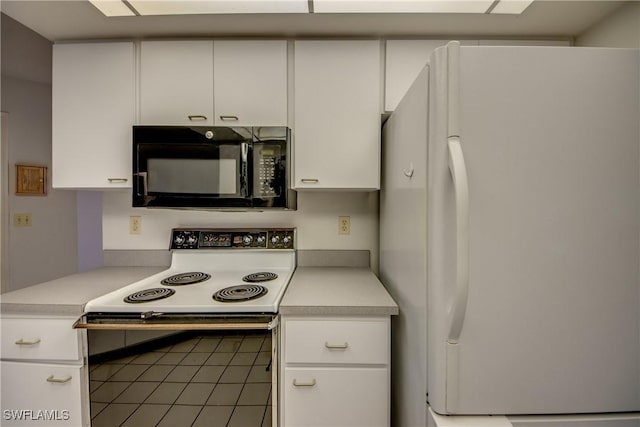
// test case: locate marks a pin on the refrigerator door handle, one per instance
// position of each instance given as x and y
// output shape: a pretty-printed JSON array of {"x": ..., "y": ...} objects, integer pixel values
[{"x": 461, "y": 186}]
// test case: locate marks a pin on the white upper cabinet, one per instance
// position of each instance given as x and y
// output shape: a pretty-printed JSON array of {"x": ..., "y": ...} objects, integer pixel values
[
  {"x": 250, "y": 82},
  {"x": 337, "y": 108},
  {"x": 227, "y": 82},
  {"x": 176, "y": 82},
  {"x": 93, "y": 111}
]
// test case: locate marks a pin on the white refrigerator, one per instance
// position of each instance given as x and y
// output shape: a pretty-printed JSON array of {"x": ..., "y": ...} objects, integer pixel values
[{"x": 510, "y": 234}]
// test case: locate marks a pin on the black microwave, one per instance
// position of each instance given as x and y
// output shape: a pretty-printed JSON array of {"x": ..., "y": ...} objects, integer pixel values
[{"x": 212, "y": 167}]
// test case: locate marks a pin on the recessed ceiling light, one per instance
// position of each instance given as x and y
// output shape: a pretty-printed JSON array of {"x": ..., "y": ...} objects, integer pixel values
[
  {"x": 511, "y": 6},
  {"x": 401, "y": 6},
  {"x": 112, "y": 7},
  {"x": 188, "y": 7}
]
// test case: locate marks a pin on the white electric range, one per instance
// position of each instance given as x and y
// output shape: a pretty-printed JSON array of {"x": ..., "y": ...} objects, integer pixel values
[{"x": 217, "y": 277}]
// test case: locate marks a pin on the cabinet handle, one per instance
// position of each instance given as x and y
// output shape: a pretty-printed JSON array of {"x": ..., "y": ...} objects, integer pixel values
[
  {"x": 311, "y": 383},
  {"x": 310, "y": 180},
  {"x": 197, "y": 117},
  {"x": 337, "y": 346},
  {"x": 117, "y": 180},
  {"x": 229, "y": 118},
  {"x": 23, "y": 342},
  {"x": 53, "y": 379}
]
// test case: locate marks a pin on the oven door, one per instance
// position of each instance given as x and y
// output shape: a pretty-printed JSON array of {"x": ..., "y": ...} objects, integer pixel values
[
  {"x": 151, "y": 333},
  {"x": 192, "y": 167}
]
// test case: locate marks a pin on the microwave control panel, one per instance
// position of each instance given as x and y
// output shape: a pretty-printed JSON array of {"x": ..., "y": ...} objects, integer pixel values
[{"x": 266, "y": 161}]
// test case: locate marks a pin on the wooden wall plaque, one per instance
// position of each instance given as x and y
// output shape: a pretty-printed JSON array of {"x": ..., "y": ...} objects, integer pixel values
[{"x": 31, "y": 180}]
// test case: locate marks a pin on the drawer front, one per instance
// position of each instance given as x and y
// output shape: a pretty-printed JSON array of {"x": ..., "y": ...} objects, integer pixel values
[
  {"x": 37, "y": 394},
  {"x": 40, "y": 339},
  {"x": 335, "y": 397},
  {"x": 336, "y": 341}
]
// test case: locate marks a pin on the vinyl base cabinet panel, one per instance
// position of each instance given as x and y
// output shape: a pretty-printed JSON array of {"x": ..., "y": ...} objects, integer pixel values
[
  {"x": 36, "y": 394},
  {"x": 335, "y": 397}
]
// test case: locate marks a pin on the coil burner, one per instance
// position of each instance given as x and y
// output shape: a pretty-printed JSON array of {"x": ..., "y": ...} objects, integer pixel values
[
  {"x": 240, "y": 293},
  {"x": 263, "y": 276},
  {"x": 147, "y": 295},
  {"x": 185, "y": 279}
]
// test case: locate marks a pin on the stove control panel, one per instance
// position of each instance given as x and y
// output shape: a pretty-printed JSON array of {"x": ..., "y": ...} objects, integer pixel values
[{"x": 205, "y": 238}]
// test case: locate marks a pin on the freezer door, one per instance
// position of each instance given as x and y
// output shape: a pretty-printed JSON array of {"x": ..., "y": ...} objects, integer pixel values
[{"x": 550, "y": 319}]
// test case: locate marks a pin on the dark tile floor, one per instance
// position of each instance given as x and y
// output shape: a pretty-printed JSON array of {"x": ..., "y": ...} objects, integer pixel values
[{"x": 212, "y": 380}]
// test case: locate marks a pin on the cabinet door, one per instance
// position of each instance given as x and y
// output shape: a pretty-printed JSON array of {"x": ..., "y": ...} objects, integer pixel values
[
  {"x": 41, "y": 395},
  {"x": 93, "y": 111},
  {"x": 39, "y": 339},
  {"x": 337, "y": 108},
  {"x": 176, "y": 82},
  {"x": 250, "y": 82},
  {"x": 335, "y": 397}
]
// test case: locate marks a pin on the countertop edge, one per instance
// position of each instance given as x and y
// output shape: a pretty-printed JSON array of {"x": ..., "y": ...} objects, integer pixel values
[{"x": 338, "y": 311}]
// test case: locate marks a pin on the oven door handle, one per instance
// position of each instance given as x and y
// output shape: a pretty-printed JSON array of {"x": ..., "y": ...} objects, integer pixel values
[{"x": 178, "y": 323}]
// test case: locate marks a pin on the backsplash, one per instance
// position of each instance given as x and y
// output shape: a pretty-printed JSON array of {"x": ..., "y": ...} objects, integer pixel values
[{"x": 316, "y": 221}]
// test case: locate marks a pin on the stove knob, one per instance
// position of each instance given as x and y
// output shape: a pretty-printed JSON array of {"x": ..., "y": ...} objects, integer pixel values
[
  {"x": 179, "y": 239},
  {"x": 275, "y": 240},
  {"x": 192, "y": 239},
  {"x": 286, "y": 240},
  {"x": 260, "y": 240},
  {"x": 247, "y": 239}
]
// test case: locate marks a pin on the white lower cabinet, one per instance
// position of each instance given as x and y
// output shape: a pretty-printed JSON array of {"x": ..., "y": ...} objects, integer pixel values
[
  {"x": 37, "y": 394},
  {"x": 335, "y": 397},
  {"x": 335, "y": 371},
  {"x": 42, "y": 373}
]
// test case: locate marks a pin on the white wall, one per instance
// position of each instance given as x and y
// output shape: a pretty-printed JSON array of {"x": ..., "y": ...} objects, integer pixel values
[
  {"x": 47, "y": 249},
  {"x": 620, "y": 29},
  {"x": 316, "y": 221}
]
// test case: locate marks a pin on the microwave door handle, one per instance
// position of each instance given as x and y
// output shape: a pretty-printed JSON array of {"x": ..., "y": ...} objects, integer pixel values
[
  {"x": 145, "y": 188},
  {"x": 244, "y": 167},
  {"x": 143, "y": 175}
]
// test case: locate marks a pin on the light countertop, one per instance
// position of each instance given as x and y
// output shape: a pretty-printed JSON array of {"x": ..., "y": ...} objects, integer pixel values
[
  {"x": 313, "y": 290},
  {"x": 336, "y": 291},
  {"x": 69, "y": 294}
]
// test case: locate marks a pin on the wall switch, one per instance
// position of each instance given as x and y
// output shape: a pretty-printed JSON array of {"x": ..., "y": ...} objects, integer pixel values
[
  {"x": 22, "y": 220},
  {"x": 135, "y": 225},
  {"x": 344, "y": 224}
]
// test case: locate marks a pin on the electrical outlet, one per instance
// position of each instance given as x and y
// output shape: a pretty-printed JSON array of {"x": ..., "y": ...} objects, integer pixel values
[
  {"x": 344, "y": 224},
  {"x": 22, "y": 219},
  {"x": 135, "y": 225}
]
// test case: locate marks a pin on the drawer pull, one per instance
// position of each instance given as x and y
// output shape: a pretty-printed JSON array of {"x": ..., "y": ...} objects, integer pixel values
[
  {"x": 337, "y": 346},
  {"x": 117, "y": 180},
  {"x": 197, "y": 117},
  {"x": 297, "y": 383},
  {"x": 310, "y": 180},
  {"x": 23, "y": 342},
  {"x": 53, "y": 379},
  {"x": 229, "y": 118}
]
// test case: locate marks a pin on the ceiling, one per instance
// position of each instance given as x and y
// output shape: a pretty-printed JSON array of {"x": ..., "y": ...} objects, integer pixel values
[{"x": 60, "y": 20}]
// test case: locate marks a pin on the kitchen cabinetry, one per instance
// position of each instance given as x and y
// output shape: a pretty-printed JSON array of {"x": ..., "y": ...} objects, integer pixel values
[
  {"x": 93, "y": 111},
  {"x": 337, "y": 106},
  {"x": 206, "y": 82},
  {"x": 250, "y": 82},
  {"x": 43, "y": 378},
  {"x": 176, "y": 82},
  {"x": 335, "y": 371}
]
